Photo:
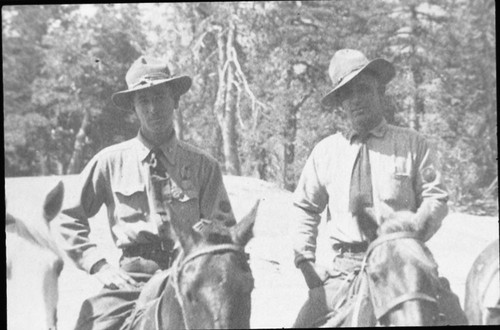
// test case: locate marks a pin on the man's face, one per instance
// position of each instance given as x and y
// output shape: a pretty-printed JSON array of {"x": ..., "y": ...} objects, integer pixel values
[
  {"x": 155, "y": 108},
  {"x": 360, "y": 100}
]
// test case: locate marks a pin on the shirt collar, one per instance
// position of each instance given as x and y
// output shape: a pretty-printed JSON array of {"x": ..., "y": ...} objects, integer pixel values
[
  {"x": 377, "y": 131},
  {"x": 169, "y": 147}
]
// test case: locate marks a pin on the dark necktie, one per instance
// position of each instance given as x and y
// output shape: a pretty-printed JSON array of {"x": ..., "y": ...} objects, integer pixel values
[
  {"x": 160, "y": 183},
  {"x": 361, "y": 193}
]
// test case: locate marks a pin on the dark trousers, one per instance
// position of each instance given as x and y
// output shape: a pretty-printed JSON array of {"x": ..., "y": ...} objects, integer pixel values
[
  {"x": 112, "y": 309},
  {"x": 323, "y": 302}
]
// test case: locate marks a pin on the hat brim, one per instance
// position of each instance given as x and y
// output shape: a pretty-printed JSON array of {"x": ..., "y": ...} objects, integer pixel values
[
  {"x": 123, "y": 99},
  {"x": 382, "y": 68}
]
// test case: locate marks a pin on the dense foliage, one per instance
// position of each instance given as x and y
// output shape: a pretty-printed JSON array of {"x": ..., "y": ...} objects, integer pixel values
[{"x": 259, "y": 71}]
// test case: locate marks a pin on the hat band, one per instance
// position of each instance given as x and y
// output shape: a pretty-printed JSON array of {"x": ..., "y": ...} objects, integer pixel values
[
  {"x": 348, "y": 73},
  {"x": 149, "y": 79}
]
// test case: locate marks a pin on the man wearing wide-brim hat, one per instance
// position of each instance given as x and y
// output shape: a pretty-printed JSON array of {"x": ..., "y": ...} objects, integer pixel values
[
  {"x": 374, "y": 168},
  {"x": 133, "y": 179}
]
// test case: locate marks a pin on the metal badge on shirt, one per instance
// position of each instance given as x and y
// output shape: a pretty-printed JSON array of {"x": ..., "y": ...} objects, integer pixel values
[{"x": 429, "y": 174}]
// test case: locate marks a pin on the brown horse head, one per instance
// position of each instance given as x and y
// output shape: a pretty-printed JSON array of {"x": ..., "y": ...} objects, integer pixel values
[
  {"x": 212, "y": 279},
  {"x": 402, "y": 281},
  {"x": 402, "y": 275}
]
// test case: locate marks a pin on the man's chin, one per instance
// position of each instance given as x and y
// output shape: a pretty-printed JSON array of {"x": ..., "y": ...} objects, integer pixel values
[{"x": 364, "y": 123}]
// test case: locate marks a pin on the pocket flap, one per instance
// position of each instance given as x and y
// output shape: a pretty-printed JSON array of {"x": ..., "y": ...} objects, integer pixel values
[
  {"x": 401, "y": 176},
  {"x": 187, "y": 195},
  {"x": 129, "y": 188}
]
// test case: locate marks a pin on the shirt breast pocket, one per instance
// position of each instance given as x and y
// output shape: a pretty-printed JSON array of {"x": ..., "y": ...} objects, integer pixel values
[
  {"x": 131, "y": 202},
  {"x": 186, "y": 203}
]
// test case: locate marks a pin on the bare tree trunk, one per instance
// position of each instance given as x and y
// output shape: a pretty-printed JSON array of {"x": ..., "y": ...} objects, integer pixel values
[
  {"x": 76, "y": 162},
  {"x": 225, "y": 104},
  {"x": 43, "y": 163},
  {"x": 262, "y": 164},
  {"x": 416, "y": 69},
  {"x": 290, "y": 134},
  {"x": 59, "y": 167}
]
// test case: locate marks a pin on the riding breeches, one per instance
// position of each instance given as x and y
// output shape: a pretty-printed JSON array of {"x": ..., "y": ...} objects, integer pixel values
[
  {"x": 113, "y": 309},
  {"x": 326, "y": 299}
]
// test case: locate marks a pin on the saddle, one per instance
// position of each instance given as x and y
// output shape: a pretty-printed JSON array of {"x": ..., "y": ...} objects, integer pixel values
[
  {"x": 153, "y": 288},
  {"x": 354, "y": 307}
]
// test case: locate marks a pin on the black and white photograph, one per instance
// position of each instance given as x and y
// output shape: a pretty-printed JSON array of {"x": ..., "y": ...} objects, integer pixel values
[{"x": 250, "y": 164}]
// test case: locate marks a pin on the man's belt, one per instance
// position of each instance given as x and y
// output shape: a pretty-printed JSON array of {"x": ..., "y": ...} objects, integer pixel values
[
  {"x": 162, "y": 252},
  {"x": 342, "y": 247}
]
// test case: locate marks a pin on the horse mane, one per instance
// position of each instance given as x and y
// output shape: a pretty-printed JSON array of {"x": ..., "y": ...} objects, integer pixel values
[
  {"x": 37, "y": 233},
  {"x": 415, "y": 251}
]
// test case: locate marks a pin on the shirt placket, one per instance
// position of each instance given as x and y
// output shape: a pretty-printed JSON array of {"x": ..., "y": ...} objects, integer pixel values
[{"x": 161, "y": 192}]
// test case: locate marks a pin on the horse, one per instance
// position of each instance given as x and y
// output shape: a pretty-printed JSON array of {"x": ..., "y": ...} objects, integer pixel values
[
  {"x": 482, "y": 288},
  {"x": 210, "y": 283},
  {"x": 396, "y": 284},
  {"x": 32, "y": 250}
]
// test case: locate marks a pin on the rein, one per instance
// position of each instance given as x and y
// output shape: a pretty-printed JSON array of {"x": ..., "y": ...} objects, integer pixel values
[
  {"x": 402, "y": 298},
  {"x": 216, "y": 249}
]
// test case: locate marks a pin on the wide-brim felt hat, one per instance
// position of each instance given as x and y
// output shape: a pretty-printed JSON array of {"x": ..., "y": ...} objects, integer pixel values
[
  {"x": 347, "y": 64},
  {"x": 147, "y": 72}
]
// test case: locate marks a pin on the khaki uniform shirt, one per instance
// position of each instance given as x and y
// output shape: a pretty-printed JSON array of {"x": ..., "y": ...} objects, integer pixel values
[
  {"x": 118, "y": 176},
  {"x": 404, "y": 175}
]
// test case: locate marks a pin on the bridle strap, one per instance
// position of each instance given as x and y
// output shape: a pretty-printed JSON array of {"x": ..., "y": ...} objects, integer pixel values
[
  {"x": 384, "y": 239},
  {"x": 404, "y": 298},
  {"x": 390, "y": 237},
  {"x": 359, "y": 299},
  {"x": 211, "y": 250},
  {"x": 220, "y": 248}
]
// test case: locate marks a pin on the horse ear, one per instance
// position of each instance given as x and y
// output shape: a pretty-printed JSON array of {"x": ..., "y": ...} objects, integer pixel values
[
  {"x": 242, "y": 232},
  {"x": 53, "y": 202}
]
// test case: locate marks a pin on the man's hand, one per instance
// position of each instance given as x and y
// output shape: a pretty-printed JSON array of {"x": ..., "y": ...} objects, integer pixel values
[
  {"x": 315, "y": 275},
  {"x": 115, "y": 278}
]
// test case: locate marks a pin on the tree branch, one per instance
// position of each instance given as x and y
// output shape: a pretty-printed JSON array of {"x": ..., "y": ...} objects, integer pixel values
[
  {"x": 243, "y": 80},
  {"x": 238, "y": 110}
]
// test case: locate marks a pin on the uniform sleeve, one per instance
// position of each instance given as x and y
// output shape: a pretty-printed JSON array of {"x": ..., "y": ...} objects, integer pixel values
[
  {"x": 431, "y": 193},
  {"x": 214, "y": 200},
  {"x": 309, "y": 201},
  {"x": 84, "y": 202}
]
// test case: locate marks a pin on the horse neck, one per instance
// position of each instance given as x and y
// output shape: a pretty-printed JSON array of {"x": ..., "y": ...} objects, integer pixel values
[
  {"x": 32, "y": 283},
  {"x": 172, "y": 314}
]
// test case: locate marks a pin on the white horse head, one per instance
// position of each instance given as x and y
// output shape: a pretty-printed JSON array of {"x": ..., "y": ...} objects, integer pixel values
[{"x": 34, "y": 263}]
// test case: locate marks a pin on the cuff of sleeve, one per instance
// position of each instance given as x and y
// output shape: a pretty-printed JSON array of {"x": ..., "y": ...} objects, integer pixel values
[
  {"x": 303, "y": 257},
  {"x": 430, "y": 215},
  {"x": 90, "y": 257}
]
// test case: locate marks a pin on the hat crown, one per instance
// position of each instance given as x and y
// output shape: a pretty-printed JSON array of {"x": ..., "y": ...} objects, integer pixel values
[
  {"x": 145, "y": 70},
  {"x": 344, "y": 62}
]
